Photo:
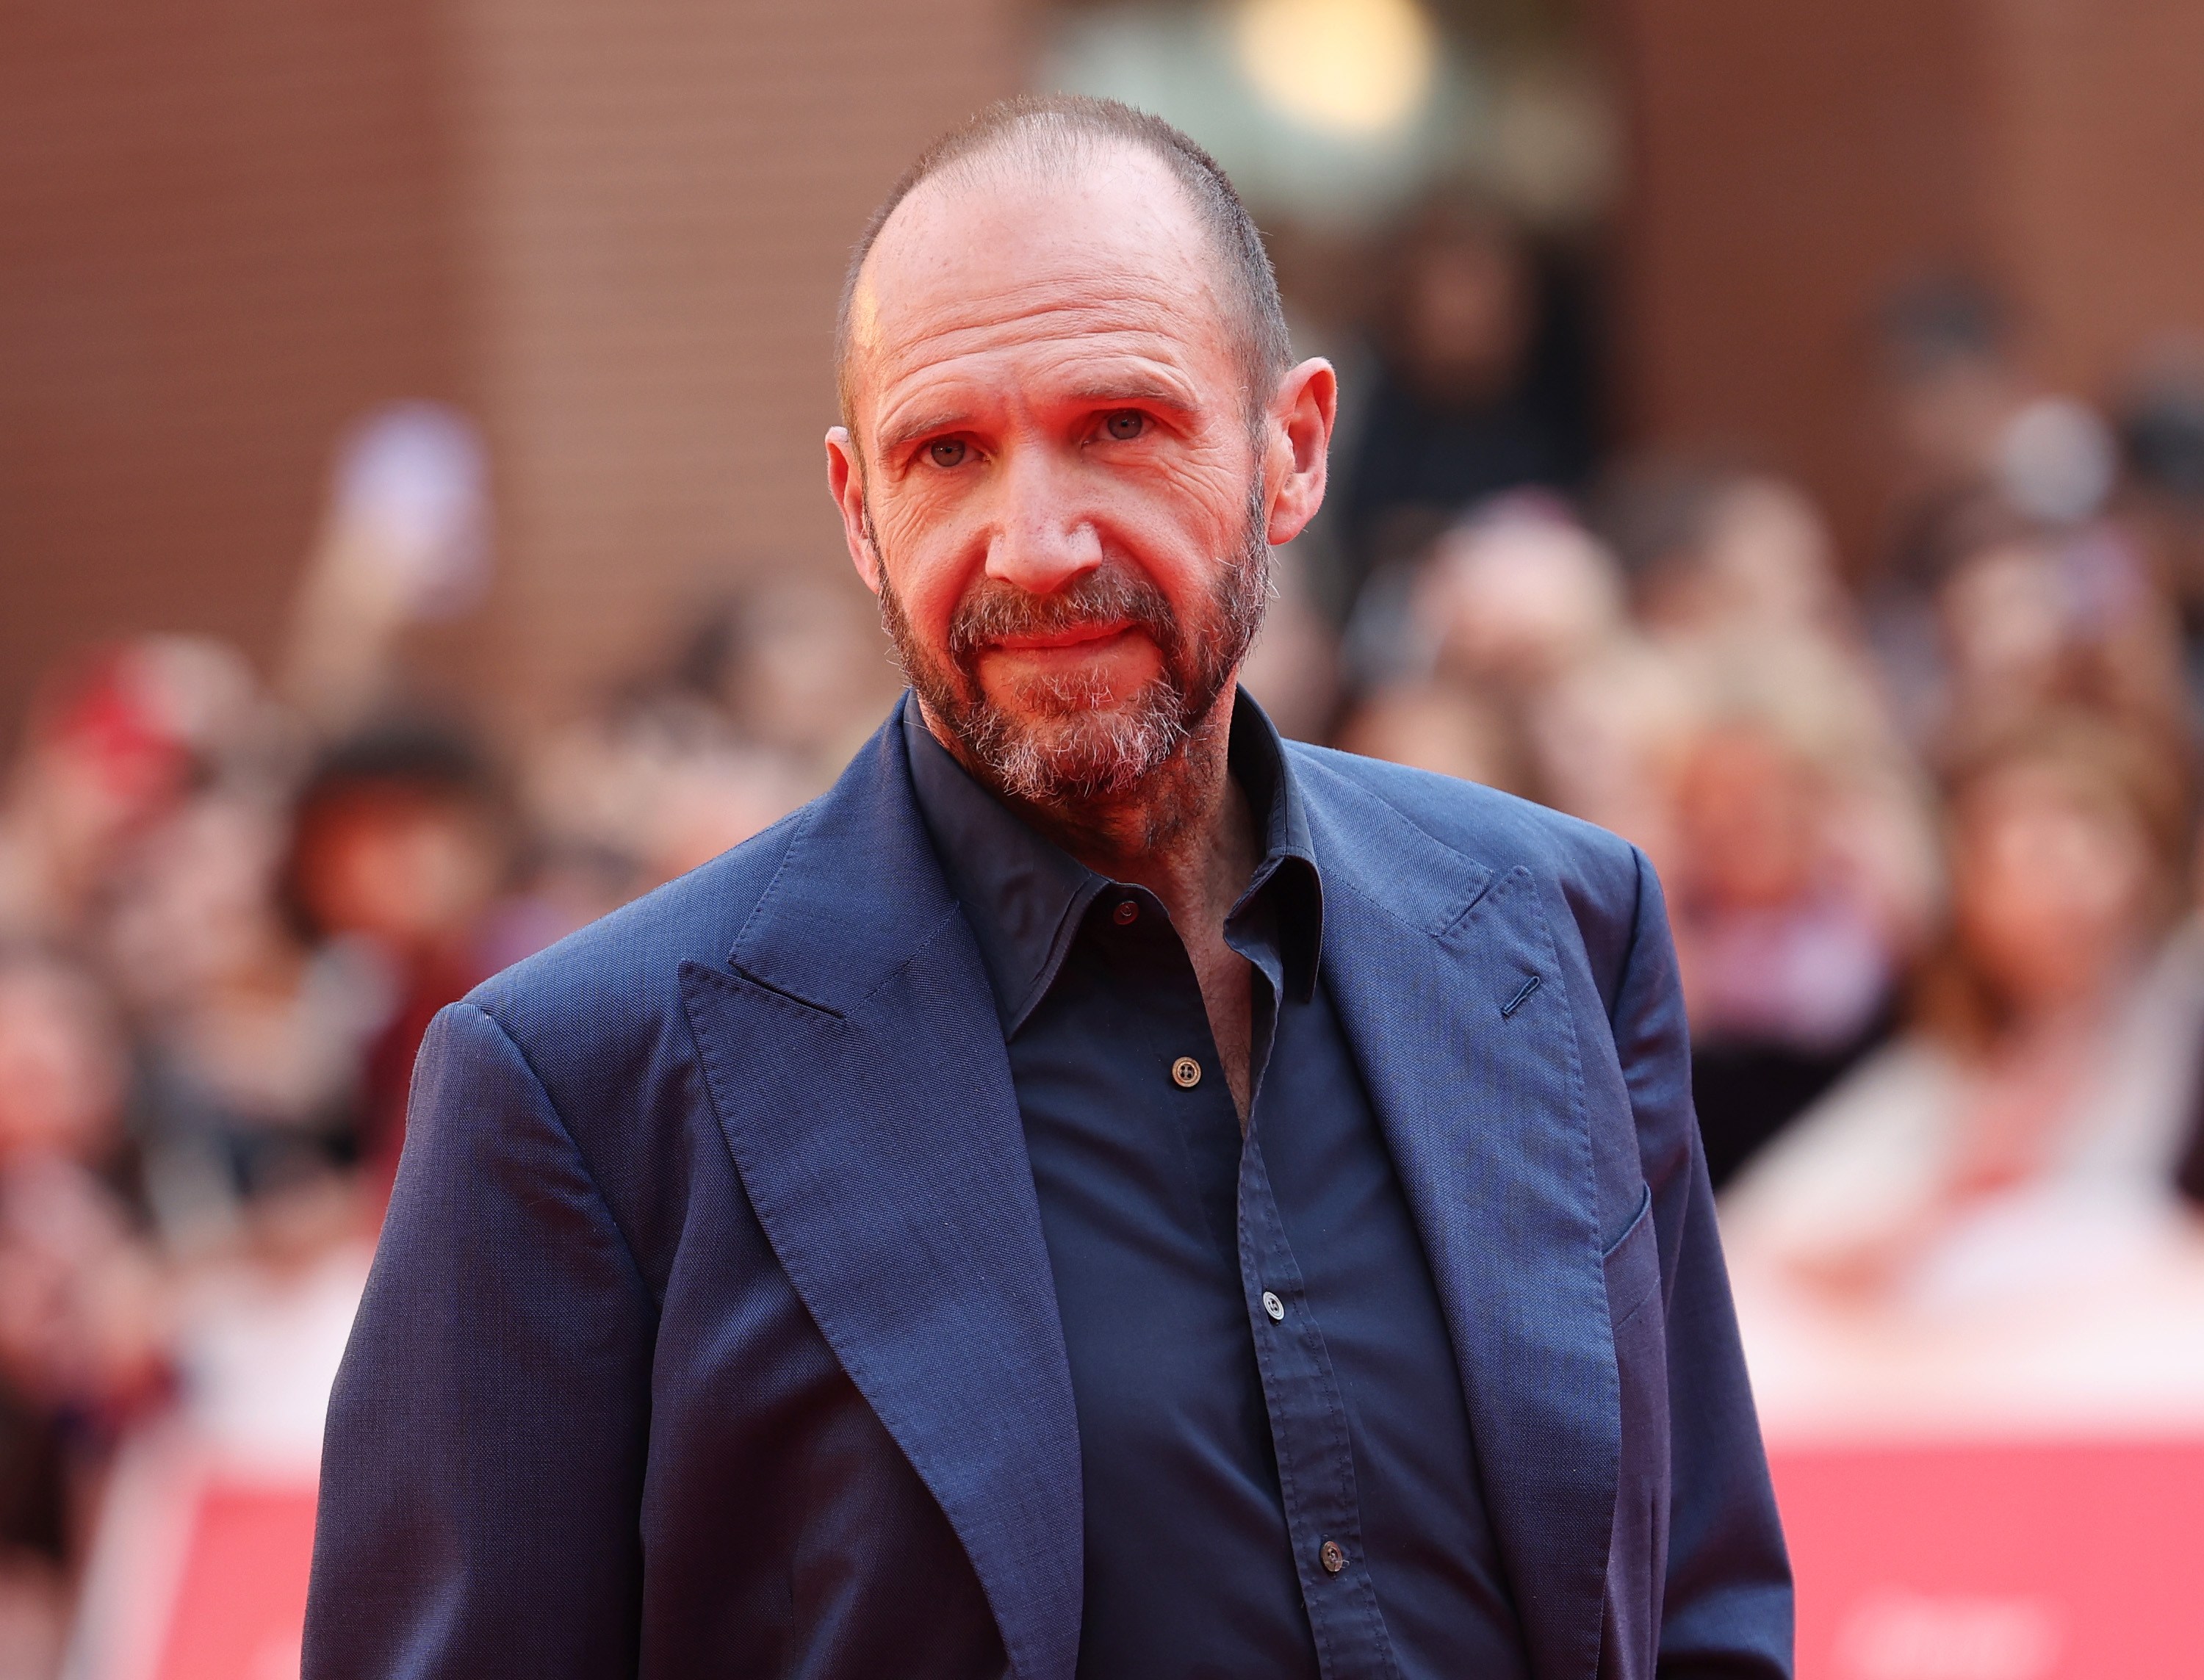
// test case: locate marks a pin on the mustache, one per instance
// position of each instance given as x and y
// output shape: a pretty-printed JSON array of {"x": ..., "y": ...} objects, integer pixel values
[{"x": 992, "y": 609}]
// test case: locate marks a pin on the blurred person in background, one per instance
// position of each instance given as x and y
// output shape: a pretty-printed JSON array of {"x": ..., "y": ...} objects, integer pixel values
[
  {"x": 2160, "y": 506},
  {"x": 1803, "y": 872},
  {"x": 115, "y": 739},
  {"x": 1789, "y": 953},
  {"x": 1978, "y": 1227},
  {"x": 659, "y": 781},
  {"x": 1294, "y": 668},
  {"x": 1951, "y": 390},
  {"x": 1483, "y": 384},
  {"x": 1967, "y": 416},
  {"x": 1441, "y": 727},
  {"x": 82, "y": 1300},
  {"x": 2030, "y": 615},
  {"x": 750, "y": 717},
  {"x": 1715, "y": 552},
  {"x": 1971, "y": 429},
  {"x": 794, "y": 665},
  {"x": 1733, "y": 579},
  {"x": 253, "y": 1039},
  {"x": 1520, "y": 608},
  {"x": 403, "y": 840}
]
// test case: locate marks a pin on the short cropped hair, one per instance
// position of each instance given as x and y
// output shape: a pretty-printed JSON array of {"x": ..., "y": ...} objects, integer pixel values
[{"x": 1051, "y": 131}]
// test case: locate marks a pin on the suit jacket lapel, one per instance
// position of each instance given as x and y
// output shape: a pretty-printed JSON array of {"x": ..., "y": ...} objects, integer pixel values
[
  {"x": 855, "y": 1058},
  {"x": 1473, "y": 1071}
]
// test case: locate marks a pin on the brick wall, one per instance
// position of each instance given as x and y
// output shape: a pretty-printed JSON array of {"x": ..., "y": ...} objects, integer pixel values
[
  {"x": 1789, "y": 163},
  {"x": 222, "y": 234},
  {"x": 1792, "y": 161},
  {"x": 2097, "y": 204},
  {"x": 614, "y": 231},
  {"x": 660, "y": 196}
]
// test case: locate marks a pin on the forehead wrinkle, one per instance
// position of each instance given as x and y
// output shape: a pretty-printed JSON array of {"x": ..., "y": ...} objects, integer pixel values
[
  {"x": 1100, "y": 327},
  {"x": 1145, "y": 342},
  {"x": 1097, "y": 324}
]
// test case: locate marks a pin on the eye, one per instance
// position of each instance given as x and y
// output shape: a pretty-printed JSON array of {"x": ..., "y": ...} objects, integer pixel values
[
  {"x": 1125, "y": 425},
  {"x": 947, "y": 452}
]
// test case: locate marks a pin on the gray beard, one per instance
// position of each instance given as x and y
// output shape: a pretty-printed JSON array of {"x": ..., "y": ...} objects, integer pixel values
[{"x": 1065, "y": 748}]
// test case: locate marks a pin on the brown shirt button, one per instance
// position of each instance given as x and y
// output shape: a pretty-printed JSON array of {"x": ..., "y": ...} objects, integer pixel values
[
  {"x": 1331, "y": 1557},
  {"x": 1126, "y": 913},
  {"x": 1186, "y": 1072}
]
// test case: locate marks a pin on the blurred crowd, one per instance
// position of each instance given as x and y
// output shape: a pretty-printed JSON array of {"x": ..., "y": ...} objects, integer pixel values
[
  {"x": 1925, "y": 818},
  {"x": 231, "y": 901}
]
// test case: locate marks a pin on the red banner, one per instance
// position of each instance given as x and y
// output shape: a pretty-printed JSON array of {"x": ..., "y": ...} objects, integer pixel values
[{"x": 2005, "y": 1562}]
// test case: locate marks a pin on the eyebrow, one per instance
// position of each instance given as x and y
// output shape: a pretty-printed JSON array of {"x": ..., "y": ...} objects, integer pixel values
[
  {"x": 1158, "y": 392},
  {"x": 904, "y": 432}
]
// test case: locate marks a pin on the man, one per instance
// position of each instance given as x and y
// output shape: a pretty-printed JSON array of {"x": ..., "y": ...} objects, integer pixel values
[{"x": 1102, "y": 1191}]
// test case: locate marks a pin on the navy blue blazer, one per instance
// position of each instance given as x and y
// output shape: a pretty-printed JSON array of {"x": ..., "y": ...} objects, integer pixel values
[{"x": 712, "y": 1333}]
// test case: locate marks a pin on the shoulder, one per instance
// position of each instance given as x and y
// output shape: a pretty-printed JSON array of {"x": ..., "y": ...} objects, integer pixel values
[
  {"x": 1390, "y": 818},
  {"x": 617, "y": 979},
  {"x": 1497, "y": 829}
]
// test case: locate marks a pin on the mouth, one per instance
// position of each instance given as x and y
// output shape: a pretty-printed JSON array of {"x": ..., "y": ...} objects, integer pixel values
[{"x": 1085, "y": 638}]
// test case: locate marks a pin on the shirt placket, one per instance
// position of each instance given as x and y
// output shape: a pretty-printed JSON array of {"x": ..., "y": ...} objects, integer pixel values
[{"x": 1309, "y": 1435}]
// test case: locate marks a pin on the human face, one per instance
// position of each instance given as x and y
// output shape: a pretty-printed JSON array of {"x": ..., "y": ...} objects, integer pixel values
[
  {"x": 1055, "y": 485},
  {"x": 61, "y": 1068},
  {"x": 2053, "y": 884}
]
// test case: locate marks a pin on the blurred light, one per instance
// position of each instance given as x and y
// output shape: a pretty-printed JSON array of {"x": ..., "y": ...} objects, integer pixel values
[
  {"x": 1356, "y": 68},
  {"x": 1553, "y": 143},
  {"x": 2057, "y": 460}
]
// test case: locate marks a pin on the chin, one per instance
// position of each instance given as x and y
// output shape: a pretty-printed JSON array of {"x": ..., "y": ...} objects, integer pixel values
[
  {"x": 1040, "y": 696},
  {"x": 1098, "y": 752},
  {"x": 1040, "y": 710}
]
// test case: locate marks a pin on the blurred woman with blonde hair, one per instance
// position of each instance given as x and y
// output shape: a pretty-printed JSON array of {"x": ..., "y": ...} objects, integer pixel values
[{"x": 1979, "y": 1228}]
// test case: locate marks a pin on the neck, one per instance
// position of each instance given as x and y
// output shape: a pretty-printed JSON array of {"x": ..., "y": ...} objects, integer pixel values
[{"x": 1187, "y": 835}]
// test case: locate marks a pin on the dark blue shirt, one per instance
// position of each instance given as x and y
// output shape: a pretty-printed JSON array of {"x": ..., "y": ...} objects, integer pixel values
[{"x": 1279, "y": 1478}]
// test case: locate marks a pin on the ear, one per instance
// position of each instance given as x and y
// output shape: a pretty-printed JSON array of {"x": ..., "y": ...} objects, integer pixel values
[
  {"x": 1299, "y": 434},
  {"x": 845, "y": 480}
]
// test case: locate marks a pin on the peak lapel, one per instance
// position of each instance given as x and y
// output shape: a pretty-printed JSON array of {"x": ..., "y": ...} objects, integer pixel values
[
  {"x": 855, "y": 1058},
  {"x": 1473, "y": 1073}
]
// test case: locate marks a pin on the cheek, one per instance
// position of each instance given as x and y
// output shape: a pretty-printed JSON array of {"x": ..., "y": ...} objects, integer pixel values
[
  {"x": 1182, "y": 527},
  {"x": 929, "y": 564},
  {"x": 1205, "y": 501}
]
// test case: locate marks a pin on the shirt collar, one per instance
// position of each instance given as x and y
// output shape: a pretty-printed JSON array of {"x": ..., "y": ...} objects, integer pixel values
[{"x": 1026, "y": 898}]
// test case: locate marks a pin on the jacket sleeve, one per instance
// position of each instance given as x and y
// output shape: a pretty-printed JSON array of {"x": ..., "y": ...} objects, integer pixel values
[
  {"x": 483, "y": 1467},
  {"x": 1727, "y": 1606}
]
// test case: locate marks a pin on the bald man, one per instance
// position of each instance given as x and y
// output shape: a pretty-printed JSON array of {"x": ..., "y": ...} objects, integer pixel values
[{"x": 1103, "y": 1192}]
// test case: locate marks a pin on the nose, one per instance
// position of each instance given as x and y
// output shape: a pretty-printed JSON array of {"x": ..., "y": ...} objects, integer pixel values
[{"x": 1041, "y": 538}]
